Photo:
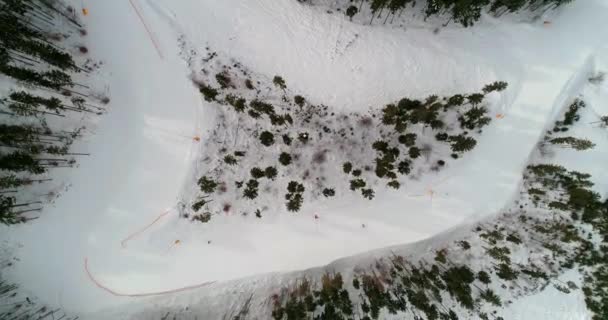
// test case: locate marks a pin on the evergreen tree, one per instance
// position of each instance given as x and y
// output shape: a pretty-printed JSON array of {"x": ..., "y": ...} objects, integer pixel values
[
  {"x": 257, "y": 173},
  {"x": 461, "y": 143},
  {"x": 279, "y": 82},
  {"x": 285, "y": 158},
  {"x": 207, "y": 184},
  {"x": 251, "y": 189},
  {"x": 267, "y": 138},
  {"x": 575, "y": 143},
  {"x": 351, "y": 12},
  {"x": 491, "y": 297},
  {"x": 270, "y": 172}
]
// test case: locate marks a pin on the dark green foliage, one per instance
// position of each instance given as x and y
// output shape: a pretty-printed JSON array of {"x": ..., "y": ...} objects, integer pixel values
[
  {"x": 351, "y": 12},
  {"x": 286, "y": 139},
  {"x": 251, "y": 189},
  {"x": 404, "y": 167},
  {"x": 464, "y": 244},
  {"x": 442, "y": 136},
  {"x": 394, "y": 184},
  {"x": 223, "y": 79},
  {"x": 285, "y": 158},
  {"x": 409, "y": 140},
  {"x": 20, "y": 162},
  {"x": 347, "y": 167},
  {"x": 367, "y": 193},
  {"x": 461, "y": 143},
  {"x": 495, "y": 86},
  {"x": 357, "y": 184},
  {"x": 513, "y": 238},
  {"x": 329, "y": 192},
  {"x": 279, "y": 82},
  {"x": 294, "y": 196},
  {"x": 491, "y": 297},
  {"x": 199, "y": 204},
  {"x": 484, "y": 277},
  {"x": 230, "y": 160},
  {"x": 267, "y": 138},
  {"x": 262, "y": 107},
  {"x": 575, "y": 143},
  {"x": 23, "y": 100},
  {"x": 474, "y": 118},
  {"x": 271, "y": 172},
  {"x": 249, "y": 84},
  {"x": 457, "y": 281},
  {"x": 206, "y": 184},
  {"x": 357, "y": 172},
  {"x": 238, "y": 103},
  {"x": 505, "y": 272},
  {"x": 295, "y": 187},
  {"x": 456, "y": 100},
  {"x": 414, "y": 152},
  {"x": 475, "y": 98},
  {"x": 209, "y": 93},
  {"x": 299, "y": 100},
  {"x": 499, "y": 253},
  {"x": 257, "y": 173},
  {"x": 204, "y": 217}
]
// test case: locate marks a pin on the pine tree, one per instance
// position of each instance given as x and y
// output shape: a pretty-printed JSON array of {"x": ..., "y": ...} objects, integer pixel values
[
  {"x": 207, "y": 184},
  {"x": 461, "y": 143},
  {"x": 267, "y": 138},
  {"x": 279, "y": 82},
  {"x": 491, "y": 297},
  {"x": 285, "y": 158},
  {"x": 351, "y": 12},
  {"x": 270, "y": 172},
  {"x": 575, "y": 143}
]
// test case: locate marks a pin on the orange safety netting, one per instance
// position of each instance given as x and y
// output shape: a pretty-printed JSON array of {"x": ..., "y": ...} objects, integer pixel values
[
  {"x": 140, "y": 231},
  {"x": 146, "y": 294},
  {"x": 141, "y": 18}
]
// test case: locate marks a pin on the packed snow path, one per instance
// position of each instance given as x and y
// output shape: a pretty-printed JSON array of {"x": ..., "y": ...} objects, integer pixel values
[{"x": 144, "y": 151}]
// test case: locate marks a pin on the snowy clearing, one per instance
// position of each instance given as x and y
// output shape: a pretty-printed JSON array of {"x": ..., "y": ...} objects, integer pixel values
[{"x": 146, "y": 154}]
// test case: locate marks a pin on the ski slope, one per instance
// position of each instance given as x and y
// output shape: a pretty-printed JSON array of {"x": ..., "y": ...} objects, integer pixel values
[{"x": 145, "y": 154}]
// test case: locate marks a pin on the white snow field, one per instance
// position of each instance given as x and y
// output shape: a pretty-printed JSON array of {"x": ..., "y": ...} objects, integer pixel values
[{"x": 144, "y": 155}]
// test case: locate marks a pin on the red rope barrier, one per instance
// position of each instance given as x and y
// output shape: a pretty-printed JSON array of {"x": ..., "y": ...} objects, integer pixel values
[
  {"x": 147, "y": 29},
  {"x": 140, "y": 231},
  {"x": 139, "y": 295}
]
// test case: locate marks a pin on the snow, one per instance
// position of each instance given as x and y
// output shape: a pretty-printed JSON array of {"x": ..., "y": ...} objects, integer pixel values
[{"x": 144, "y": 155}]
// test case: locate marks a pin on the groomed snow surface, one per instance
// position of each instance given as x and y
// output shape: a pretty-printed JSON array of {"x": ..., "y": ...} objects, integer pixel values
[{"x": 144, "y": 151}]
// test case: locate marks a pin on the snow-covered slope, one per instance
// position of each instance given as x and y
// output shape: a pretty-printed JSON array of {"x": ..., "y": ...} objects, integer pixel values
[{"x": 144, "y": 149}]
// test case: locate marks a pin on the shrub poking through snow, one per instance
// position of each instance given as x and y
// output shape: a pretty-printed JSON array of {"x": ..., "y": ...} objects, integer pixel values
[
  {"x": 294, "y": 196},
  {"x": 285, "y": 158},
  {"x": 271, "y": 172},
  {"x": 574, "y": 143},
  {"x": 251, "y": 189},
  {"x": 223, "y": 79},
  {"x": 279, "y": 82},
  {"x": 299, "y": 100},
  {"x": 230, "y": 160},
  {"x": 257, "y": 173},
  {"x": 207, "y": 184},
  {"x": 495, "y": 86},
  {"x": 351, "y": 12},
  {"x": 462, "y": 143},
  {"x": 209, "y": 93},
  {"x": 329, "y": 192},
  {"x": 357, "y": 184},
  {"x": 267, "y": 138},
  {"x": 347, "y": 167}
]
